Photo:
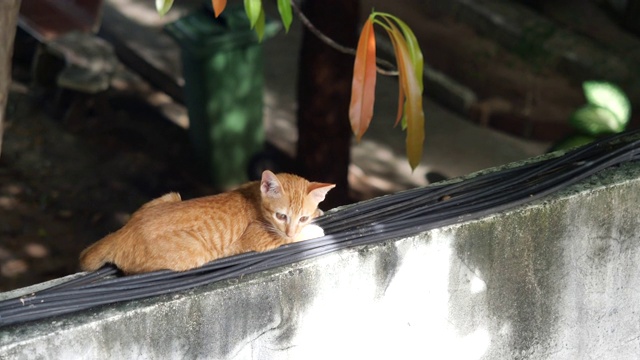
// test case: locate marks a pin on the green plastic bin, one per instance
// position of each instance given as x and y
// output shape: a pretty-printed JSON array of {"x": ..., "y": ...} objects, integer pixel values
[{"x": 223, "y": 71}]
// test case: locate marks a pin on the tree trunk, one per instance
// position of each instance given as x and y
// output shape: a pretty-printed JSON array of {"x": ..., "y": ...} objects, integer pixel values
[
  {"x": 324, "y": 92},
  {"x": 8, "y": 22}
]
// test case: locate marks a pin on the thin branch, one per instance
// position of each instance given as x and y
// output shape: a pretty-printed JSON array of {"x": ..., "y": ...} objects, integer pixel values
[{"x": 343, "y": 49}]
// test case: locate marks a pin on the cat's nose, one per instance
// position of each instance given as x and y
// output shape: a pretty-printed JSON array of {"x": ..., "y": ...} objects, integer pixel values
[{"x": 291, "y": 232}]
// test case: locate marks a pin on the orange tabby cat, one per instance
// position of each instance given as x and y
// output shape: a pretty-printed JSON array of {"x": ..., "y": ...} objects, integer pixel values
[{"x": 167, "y": 233}]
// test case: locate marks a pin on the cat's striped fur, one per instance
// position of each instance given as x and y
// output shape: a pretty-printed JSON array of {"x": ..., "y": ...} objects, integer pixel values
[{"x": 168, "y": 233}]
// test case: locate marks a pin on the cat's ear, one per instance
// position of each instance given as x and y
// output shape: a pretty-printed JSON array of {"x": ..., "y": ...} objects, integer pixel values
[
  {"x": 270, "y": 185},
  {"x": 319, "y": 190}
]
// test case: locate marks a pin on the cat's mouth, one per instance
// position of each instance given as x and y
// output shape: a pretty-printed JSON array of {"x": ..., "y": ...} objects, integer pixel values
[{"x": 281, "y": 233}]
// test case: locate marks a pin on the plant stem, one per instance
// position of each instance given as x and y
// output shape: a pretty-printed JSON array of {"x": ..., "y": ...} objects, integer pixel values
[{"x": 343, "y": 49}]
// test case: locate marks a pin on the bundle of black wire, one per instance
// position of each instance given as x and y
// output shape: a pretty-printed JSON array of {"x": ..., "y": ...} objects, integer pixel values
[{"x": 389, "y": 217}]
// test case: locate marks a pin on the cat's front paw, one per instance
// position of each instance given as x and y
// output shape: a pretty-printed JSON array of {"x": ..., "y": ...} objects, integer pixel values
[{"x": 310, "y": 231}]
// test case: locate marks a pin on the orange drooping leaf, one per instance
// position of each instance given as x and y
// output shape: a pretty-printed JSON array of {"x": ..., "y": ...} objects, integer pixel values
[
  {"x": 413, "y": 47},
  {"x": 401, "y": 95},
  {"x": 413, "y": 95},
  {"x": 400, "y": 106},
  {"x": 218, "y": 6},
  {"x": 364, "y": 81}
]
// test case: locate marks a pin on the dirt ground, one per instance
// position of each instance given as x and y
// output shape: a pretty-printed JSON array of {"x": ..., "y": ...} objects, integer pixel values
[{"x": 64, "y": 185}]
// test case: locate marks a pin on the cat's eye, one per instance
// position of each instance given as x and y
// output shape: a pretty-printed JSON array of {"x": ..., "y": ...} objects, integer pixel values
[
  {"x": 281, "y": 216},
  {"x": 304, "y": 219}
]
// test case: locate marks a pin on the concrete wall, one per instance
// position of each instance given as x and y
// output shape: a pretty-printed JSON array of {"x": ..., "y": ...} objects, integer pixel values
[{"x": 556, "y": 279}]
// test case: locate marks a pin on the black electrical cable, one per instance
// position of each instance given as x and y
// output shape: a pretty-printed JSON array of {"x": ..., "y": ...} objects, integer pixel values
[{"x": 389, "y": 217}]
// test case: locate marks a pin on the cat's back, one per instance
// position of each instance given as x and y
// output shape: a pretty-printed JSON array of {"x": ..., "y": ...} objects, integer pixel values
[{"x": 237, "y": 204}]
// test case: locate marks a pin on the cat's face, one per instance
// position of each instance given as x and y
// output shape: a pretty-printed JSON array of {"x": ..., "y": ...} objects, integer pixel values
[{"x": 290, "y": 202}]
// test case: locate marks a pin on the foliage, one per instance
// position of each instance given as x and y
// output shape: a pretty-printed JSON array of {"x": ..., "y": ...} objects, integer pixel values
[
  {"x": 218, "y": 6},
  {"x": 409, "y": 60},
  {"x": 163, "y": 6},
  {"x": 410, "y": 66},
  {"x": 607, "y": 112}
]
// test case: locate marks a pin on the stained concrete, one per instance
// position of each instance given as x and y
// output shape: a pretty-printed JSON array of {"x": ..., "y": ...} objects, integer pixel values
[{"x": 555, "y": 279}]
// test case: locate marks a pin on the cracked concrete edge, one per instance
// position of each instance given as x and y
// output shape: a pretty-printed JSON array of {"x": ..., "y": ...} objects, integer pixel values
[{"x": 36, "y": 287}]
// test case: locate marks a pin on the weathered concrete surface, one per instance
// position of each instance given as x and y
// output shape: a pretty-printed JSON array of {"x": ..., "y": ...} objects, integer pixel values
[{"x": 557, "y": 279}]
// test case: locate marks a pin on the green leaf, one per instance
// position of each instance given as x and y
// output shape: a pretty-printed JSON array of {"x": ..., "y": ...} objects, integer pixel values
[
  {"x": 253, "y": 8},
  {"x": 595, "y": 120},
  {"x": 610, "y": 97},
  {"x": 163, "y": 6},
  {"x": 284, "y": 8},
  {"x": 403, "y": 123},
  {"x": 260, "y": 24}
]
